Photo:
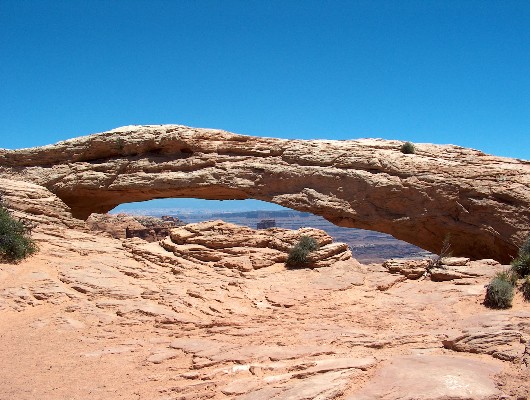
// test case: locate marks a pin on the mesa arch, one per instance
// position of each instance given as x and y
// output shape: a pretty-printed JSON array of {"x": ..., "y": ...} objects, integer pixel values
[{"x": 482, "y": 201}]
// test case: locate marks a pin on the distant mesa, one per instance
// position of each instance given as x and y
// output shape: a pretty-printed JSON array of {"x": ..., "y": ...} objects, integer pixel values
[
  {"x": 123, "y": 226},
  {"x": 482, "y": 201},
  {"x": 266, "y": 223}
]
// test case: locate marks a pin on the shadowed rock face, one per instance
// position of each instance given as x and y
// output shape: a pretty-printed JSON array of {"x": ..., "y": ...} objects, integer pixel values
[{"x": 482, "y": 201}]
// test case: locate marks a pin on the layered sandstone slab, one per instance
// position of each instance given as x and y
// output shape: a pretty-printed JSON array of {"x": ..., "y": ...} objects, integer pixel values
[
  {"x": 36, "y": 204},
  {"x": 432, "y": 378},
  {"x": 238, "y": 247},
  {"x": 482, "y": 201}
]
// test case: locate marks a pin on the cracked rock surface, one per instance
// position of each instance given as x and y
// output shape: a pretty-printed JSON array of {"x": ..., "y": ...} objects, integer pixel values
[
  {"x": 482, "y": 201},
  {"x": 96, "y": 317}
]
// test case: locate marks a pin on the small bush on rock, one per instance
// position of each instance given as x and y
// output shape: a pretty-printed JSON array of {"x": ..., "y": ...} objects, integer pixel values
[
  {"x": 307, "y": 242},
  {"x": 500, "y": 291},
  {"x": 445, "y": 251},
  {"x": 525, "y": 248},
  {"x": 15, "y": 243},
  {"x": 508, "y": 276},
  {"x": 521, "y": 265},
  {"x": 408, "y": 148},
  {"x": 298, "y": 256},
  {"x": 525, "y": 288}
]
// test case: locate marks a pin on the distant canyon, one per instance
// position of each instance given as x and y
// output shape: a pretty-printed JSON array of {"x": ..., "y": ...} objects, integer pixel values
[{"x": 366, "y": 246}]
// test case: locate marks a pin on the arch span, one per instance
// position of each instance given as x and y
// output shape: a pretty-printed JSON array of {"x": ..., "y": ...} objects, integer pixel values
[{"x": 482, "y": 201}]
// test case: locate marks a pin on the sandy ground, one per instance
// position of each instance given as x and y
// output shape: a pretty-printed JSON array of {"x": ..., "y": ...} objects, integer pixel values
[{"x": 88, "y": 317}]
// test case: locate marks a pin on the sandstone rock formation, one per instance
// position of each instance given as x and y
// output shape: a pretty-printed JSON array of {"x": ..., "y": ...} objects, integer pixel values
[
  {"x": 115, "y": 225},
  {"x": 481, "y": 200},
  {"x": 431, "y": 377},
  {"x": 36, "y": 204},
  {"x": 450, "y": 269},
  {"x": 246, "y": 249},
  {"x": 146, "y": 227},
  {"x": 95, "y": 317}
]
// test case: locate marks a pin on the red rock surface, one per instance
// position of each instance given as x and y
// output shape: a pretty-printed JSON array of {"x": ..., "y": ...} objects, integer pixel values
[
  {"x": 482, "y": 201},
  {"x": 117, "y": 224},
  {"x": 245, "y": 249},
  {"x": 103, "y": 318},
  {"x": 429, "y": 377}
]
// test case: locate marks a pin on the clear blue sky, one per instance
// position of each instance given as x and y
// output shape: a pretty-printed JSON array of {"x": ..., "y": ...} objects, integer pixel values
[{"x": 426, "y": 71}]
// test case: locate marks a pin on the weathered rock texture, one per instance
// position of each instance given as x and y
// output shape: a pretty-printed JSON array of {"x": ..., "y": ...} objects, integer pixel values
[
  {"x": 430, "y": 378},
  {"x": 450, "y": 268},
  {"x": 36, "y": 204},
  {"x": 245, "y": 249},
  {"x": 119, "y": 226},
  {"x": 94, "y": 317},
  {"x": 481, "y": 200}
]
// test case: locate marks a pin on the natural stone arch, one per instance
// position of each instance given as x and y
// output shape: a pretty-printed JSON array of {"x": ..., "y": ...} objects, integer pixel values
[{"x": 482, "y": 201}]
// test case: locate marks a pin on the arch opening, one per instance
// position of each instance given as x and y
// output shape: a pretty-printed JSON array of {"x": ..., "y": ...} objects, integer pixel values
[
  {"x": 367, "y": 246},
  {"x": 367, "y": 184}
]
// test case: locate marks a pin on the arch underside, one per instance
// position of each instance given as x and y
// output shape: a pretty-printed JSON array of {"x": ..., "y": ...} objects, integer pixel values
[{"x": 369, "y": 184}]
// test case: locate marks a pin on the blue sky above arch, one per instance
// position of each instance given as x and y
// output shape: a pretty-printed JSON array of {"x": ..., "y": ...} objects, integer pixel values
[{"x": 426, "y": 71}]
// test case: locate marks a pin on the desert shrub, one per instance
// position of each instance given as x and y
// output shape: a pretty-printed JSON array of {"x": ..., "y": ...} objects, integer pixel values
[
  {"x": 500, "y": 291},
  {"x": 445, "y": 251},
  {"x": 120, "y": 143},
  {"x": 309, "y": 243},
  {"x": 508, "y": 276},
  {"x": 525, "y": 247},
  {"x": 408, "y": 148},
  {"x": 521, "y": 265},
  {"x": 15, "y": 242},
  {"x": 298, "y": 255},
  {"x": 525, "y": 288}
]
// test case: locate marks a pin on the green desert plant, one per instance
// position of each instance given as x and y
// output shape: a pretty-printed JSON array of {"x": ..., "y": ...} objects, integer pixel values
[
  {"x": 308, "y": 243},
  {"x": 298, "y": 255},
  {"x": 408, "y": 148},
  {"x": 525, "y": 248},
  {"x": 15, "y": 242},
  {"x": 120, "y": 143},
  {"x": 521, "y": 264},
  {"x": 525, "y": 288},
  {"x": 500, "y": 291},
  {"x": 507, "y": 275},
  {"x": 445, "y": 251}
]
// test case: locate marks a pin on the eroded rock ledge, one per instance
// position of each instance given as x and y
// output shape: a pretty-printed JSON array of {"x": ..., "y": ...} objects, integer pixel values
[
  {"x": 238, "y": 247},
  {"x": 92, "y": 314},
  {"x": 481, "y": 200}
]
